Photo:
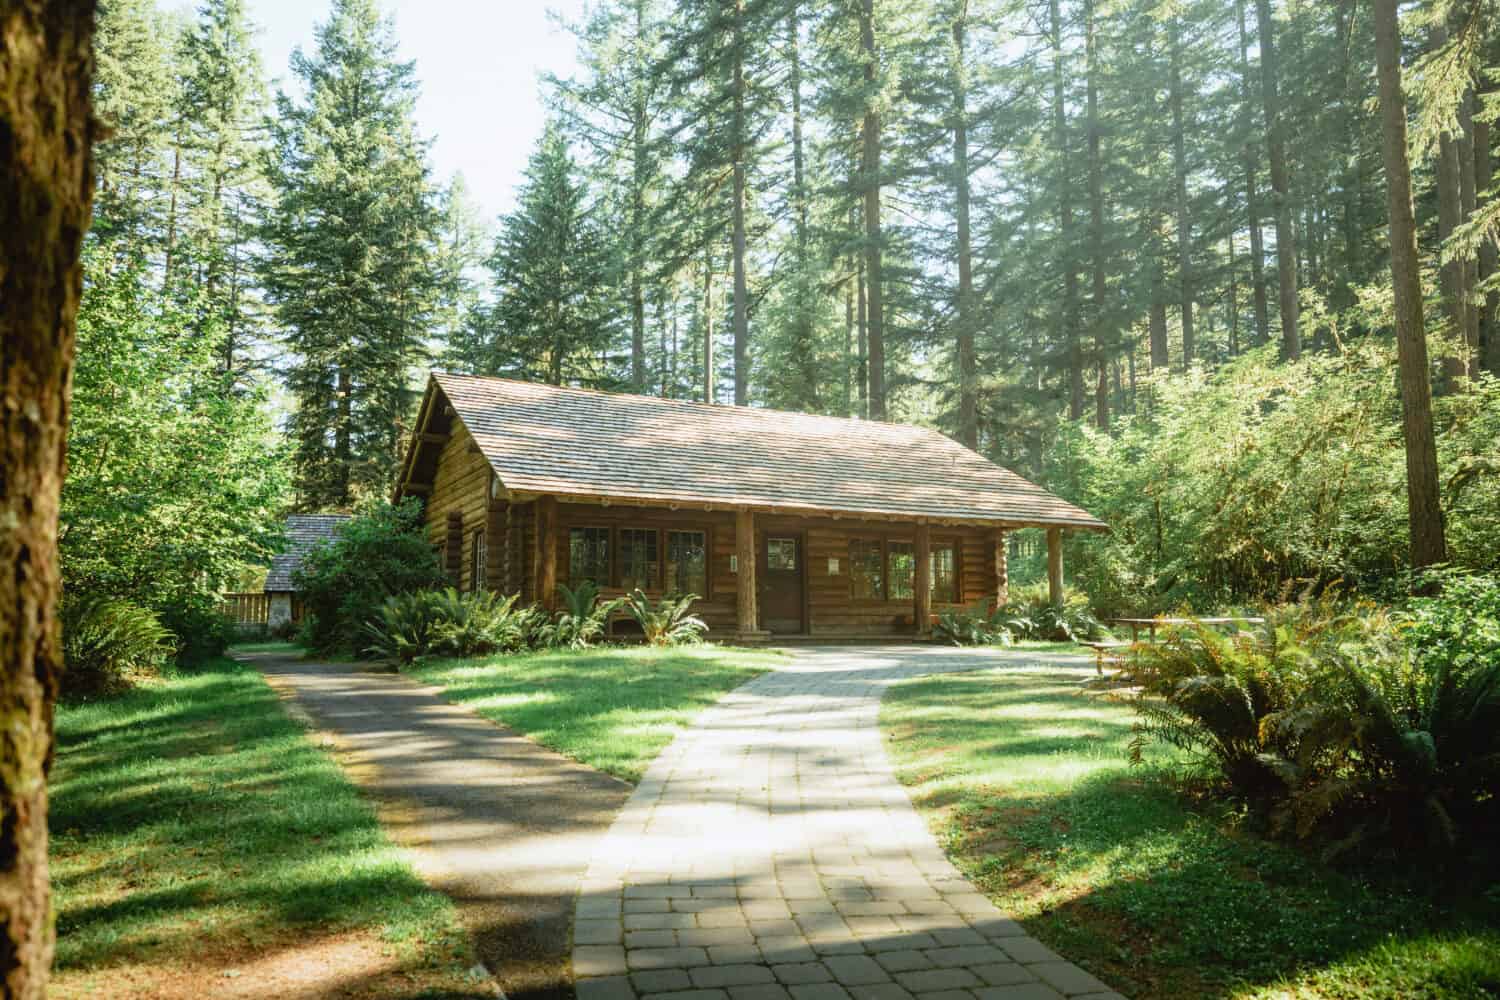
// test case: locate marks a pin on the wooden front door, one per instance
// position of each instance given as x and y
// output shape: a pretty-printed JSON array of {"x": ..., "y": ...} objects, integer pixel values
[{"x": 781, "y": 587}]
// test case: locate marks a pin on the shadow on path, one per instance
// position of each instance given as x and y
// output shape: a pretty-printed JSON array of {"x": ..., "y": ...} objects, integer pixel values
[{"x": 500, "y": 824}]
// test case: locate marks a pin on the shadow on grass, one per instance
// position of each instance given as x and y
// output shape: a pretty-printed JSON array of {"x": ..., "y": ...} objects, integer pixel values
[
  {"x": 195, "y": 815},
  {"x": 1114, "y": 868}
]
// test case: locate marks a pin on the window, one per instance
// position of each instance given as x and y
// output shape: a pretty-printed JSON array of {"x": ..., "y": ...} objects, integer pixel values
[
  {"x": 901, "y": 568},
  {"x": 687, "y": 562},
  {"x": 944, "y": 574},
  {"x": 640, "y": 564},
  {"x": 588, "y": 555},
  {"x": 781, "y": 554},
  {"x": 478, "y": 560},
  {"x": 866, "y": 579}
]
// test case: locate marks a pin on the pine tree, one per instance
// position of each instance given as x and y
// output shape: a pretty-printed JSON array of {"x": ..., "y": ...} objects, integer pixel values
[
  {"x": 349, "y": 255},
  {"x": 550, "y": 319}
]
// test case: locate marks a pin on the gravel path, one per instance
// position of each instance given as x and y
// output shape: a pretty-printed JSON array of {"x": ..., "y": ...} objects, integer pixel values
[{"x": 770, "y": 854}]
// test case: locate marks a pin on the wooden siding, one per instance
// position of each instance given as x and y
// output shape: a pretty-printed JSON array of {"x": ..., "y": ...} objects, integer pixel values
[{"x": 460, "y": 487}]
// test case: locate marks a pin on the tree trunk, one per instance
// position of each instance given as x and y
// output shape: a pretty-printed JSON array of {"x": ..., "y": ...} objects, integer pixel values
[
  {"x": 1234, "y": 296},
  {"x": 47, "y": 132},
  {"x": 1468, "y": 201},
  {"x": 741, "y": 291},
  {"x": 1489, "y": 255},
  {"x": 638, "y": 171},
  {"x": 708, "y": 325},
  {"x": 1450, "y": 217},
  {"x": 1067, "y": 315},
  {"x": 1184, "y": 223},
  {"x": 1157, "y": 323},
  {"x": 1425, "y": 514},
  {"x": 1286, "y": 240},
  {"x": 870, "y": 178},
  {"x": 968, "y": 409},
  {"x": 862, "y": 365},
  {"x": 1252, "y": 201},
  {"x": 849, "y": 347},
  {"x": 1096, "y": 216}
]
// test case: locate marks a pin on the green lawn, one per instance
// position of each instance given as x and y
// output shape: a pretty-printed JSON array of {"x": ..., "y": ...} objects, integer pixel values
[
  {"x": 197, "y": 828},
  {"x": 1023, "y": 776},
  {"x": 613, "y": 708}
]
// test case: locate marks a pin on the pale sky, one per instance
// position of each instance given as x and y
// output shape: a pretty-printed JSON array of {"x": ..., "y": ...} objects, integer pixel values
[{"x": 478, "y": 63}]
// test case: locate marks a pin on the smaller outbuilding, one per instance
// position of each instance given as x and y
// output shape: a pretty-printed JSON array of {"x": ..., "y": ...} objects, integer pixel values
[{"x": 304, "y": 532}]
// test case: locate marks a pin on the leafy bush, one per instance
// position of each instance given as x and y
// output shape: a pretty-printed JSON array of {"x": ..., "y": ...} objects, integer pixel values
[
  {"x": 975, "y": 626},
  {"x": 1330, "y": 719},
  {"x": 402, "y": 629},
  {"x": 582, "y": 620},
  {"x": 449, "y": 623},
  {"x": 201, "y": 630},
  {"x": 668, "y": 622},
  {"x": 380, "y": 553},
  {"x": 108, "y": 643}
]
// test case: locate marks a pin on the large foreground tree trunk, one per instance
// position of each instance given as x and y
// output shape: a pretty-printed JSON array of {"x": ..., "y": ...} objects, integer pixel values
[
  {"x": 1424, "y": 509},
  {"x": 46, "y": 188}
]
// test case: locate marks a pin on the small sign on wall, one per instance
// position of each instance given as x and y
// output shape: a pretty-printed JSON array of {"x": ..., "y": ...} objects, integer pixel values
[
  {"x": 833, "y": 565},
  {"x": 734, "y": 564}
]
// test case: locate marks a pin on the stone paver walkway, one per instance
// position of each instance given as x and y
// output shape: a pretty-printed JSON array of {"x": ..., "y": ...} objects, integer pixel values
[{"x": 770, "y": 854}]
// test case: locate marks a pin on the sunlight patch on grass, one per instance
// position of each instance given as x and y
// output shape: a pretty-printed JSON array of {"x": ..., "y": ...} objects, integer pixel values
[
  {"x": 1024, "y": 778},
  {"x": 613, "y": 708},
  {"x": 194, "y": 823}
]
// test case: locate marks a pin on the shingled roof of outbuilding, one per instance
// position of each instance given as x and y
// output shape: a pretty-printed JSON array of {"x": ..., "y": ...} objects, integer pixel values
[
  {"x": 544, "y": 439},
  {"x": 303, "y": 533}
]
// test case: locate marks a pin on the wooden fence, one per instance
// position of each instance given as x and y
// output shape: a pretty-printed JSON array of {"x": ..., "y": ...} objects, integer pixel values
[{"x": 247, "y": 609}]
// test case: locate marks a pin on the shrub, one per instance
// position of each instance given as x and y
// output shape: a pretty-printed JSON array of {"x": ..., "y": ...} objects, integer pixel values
[
  {"x": 202, "y": 631},
  {"x": 668, "y": 622},
  {"x": 402, "y": 629},
  {"x": 582, "y": 619},
  {"x": 976, "y": 626},
  {"x": 107, "y": 643},
  {"x": 1329, "y": 720},
  {"x": 380, "y": 553},
  {"x": 479, "y": 623}
]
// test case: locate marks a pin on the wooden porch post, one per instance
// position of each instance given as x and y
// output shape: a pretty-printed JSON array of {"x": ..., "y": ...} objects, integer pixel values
[
  {"x": 1054, "y": 567},
  {"x": 546, "y": 551},
  {"x": 922, "y": 580},
  {"x": 744, "y": 545},
  {"x": 1002, "y": 569}
]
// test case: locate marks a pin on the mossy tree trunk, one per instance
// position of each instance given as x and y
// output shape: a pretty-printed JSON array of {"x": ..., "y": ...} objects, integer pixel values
[{"x": 46, "y": 188}]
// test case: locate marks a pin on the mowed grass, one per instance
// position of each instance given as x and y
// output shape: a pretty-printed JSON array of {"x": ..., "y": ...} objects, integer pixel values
[
  {"x": 1023, "y": 775},
  {"x": 196, "y": 827},
  {"x": 612, "y": 708}
]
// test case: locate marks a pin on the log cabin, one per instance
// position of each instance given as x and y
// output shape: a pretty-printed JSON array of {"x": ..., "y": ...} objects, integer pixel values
[{"x": 783, "y": 524}]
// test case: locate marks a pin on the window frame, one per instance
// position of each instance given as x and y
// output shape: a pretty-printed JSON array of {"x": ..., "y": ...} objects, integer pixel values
[
  {"x": 654, "y": 580},
  {"x": 890, "y": 551},
  {"x": 609, "y": 555},
  {"x": 881, "y": 590},
  {"x": 955, "y": 545},
  {"x": 479, "y": 551},
  {"x": 667, "y": 584}
]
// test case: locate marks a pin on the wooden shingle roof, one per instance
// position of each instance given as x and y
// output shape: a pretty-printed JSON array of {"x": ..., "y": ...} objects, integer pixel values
[
  {"x": 542, "y": 439},
  {"x": 304, "y": 532}
]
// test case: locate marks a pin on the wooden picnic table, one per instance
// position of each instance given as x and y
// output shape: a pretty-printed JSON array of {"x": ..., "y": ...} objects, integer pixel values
[{"x": 1136, "y": 624}]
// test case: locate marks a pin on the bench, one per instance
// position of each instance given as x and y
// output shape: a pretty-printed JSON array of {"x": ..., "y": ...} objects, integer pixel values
[{"x": 1107, "y": 649}]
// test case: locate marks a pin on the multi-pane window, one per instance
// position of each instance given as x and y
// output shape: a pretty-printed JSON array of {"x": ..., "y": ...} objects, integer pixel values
[
  {"x": 866, "y": 569},
  {"x": 588, "y": 555},
  {"x": 640, "y": 564},
  {"x": 781, "y": 554},
  {"x": 901, "y": 567},
  {"x": 944, "y": 574},
  {"x": 687, "y": 562},
  {"x": 478, "y": 557}
]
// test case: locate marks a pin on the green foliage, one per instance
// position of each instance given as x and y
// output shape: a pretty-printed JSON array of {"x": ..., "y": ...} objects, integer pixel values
[
  {"x": 668, "y": 622},
  {"x": 583, "y": 618},
  {"x": 381, "y": 552},
  {"x": 449, "y": 623},
  {"x": 1264, "y": 472},
  {"x": 202, "y": 631},
  {"x": 109, "y": 643},
  {"x": 975, "y": 626},
  {"x": 1339, "y": 720}
]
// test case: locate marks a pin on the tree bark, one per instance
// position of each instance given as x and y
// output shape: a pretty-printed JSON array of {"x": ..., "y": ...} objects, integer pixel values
[
  {"x": 1450, "y": 216},
  {"x": 870, "y": 171},
  {"x": 1067, "y": 316},
  {"x": 1489, "y": 255},
  {"x": 968, "y": 409},
  {"x": 1184, "y": 221},
  {"x": 1158, "y": 327},
  {"x": 1096, "y": 216},
  {"x": 1424, "y": 510},
  {"x": 741, "y": 291},
  {"x": 708, "y": 325},
  {"x": 1252, "y": 201},
  {"x": 47, "y": 133},
  {"x": 1286, "y": 240}
]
